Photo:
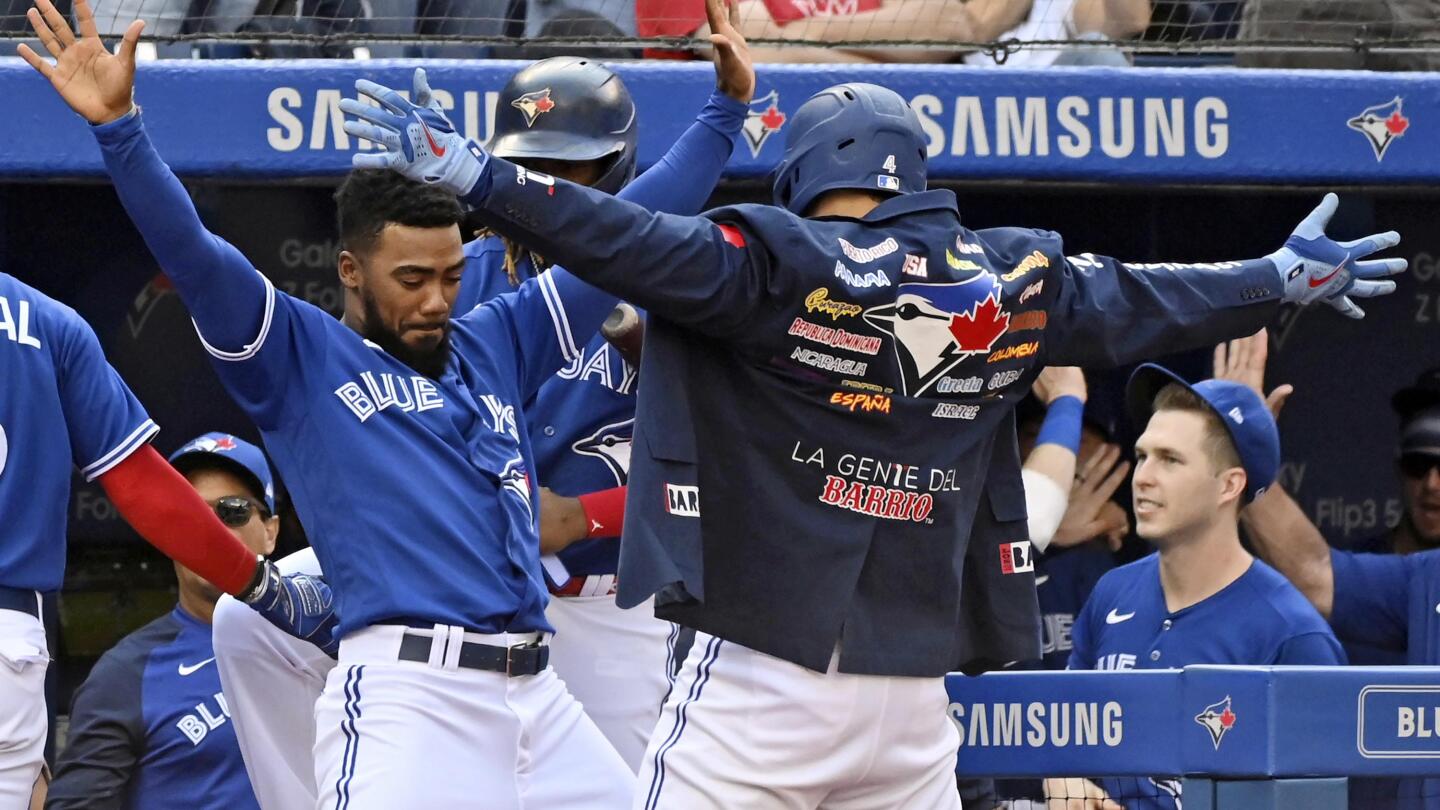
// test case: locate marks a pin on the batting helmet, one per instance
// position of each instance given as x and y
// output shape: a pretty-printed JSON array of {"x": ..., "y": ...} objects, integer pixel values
[
  {"x": 855, "y": 135},
  {"x": 568, "y": 108}
]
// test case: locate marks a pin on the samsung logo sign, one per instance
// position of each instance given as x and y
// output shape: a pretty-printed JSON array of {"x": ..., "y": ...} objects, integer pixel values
[{"x": 1039, "y": 725}]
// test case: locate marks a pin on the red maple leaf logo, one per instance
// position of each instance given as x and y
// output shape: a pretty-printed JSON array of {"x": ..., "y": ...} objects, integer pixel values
[
  {"x": 977, "y": 331},
  {"x": 544, "y": 104},
  {"x": 1397, "y": 123},
  {"x": 1227, "y": 718},
  {"x": 224, "y": 443},
  {"x": 773, "y": 119}
]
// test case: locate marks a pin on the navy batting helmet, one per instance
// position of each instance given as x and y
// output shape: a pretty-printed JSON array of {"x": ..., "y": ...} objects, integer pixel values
[
  {"x": 855, "y": 135},
  {"x": 568, "y": 108}
]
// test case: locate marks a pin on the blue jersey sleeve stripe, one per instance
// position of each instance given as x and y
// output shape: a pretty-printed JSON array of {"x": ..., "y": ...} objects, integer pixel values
[
  {"x": 253, "y": 348},
  {"x": 137, "y": 439},
  {"x": 557, "y": 315}
]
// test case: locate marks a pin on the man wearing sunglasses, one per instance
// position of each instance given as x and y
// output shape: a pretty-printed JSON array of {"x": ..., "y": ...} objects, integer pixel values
[{"x": 150, "y": 727}]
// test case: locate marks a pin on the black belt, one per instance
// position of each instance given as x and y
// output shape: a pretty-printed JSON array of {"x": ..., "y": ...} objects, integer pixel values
[
  {"x": 21, "y": 600},
  {"x": 522, "y": 659}
]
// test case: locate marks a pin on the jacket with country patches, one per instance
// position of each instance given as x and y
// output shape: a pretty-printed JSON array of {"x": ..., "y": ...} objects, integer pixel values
[{"x": 825, "y": 442}]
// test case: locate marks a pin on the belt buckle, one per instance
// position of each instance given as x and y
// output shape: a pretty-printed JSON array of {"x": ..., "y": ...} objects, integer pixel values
[{"x": 510, "y": 655}]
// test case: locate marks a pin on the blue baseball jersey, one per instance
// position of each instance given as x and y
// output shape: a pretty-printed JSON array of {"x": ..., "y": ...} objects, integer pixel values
[
  {"x": 61, "y": 404},
  {"x": 417, "y": 494},
  {"x": 1258, "y": 619},
  {"x": 150, "y": 728},
  {"x": 1363, "y": 651},
  {"x": 581, "y": 420},
  {"x": 1064, "y": 579}
]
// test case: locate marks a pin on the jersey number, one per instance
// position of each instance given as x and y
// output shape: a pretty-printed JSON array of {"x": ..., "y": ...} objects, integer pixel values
[
  {"x": 889, "y": 164},
  {"x": 4, "y": 449}
]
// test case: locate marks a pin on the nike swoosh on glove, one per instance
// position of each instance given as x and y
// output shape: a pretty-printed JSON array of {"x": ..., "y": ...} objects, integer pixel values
[
  {"x": 415, "y": 139},
  {"x": 1314, "y": 267},
  {"x": 300, "y": 604}
]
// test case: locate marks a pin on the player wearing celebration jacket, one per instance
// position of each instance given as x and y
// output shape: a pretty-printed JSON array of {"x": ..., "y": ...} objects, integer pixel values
[
  {"x": 402, "y": 439},
  {"x": 614, "y": 662},
  {"x": 841, "y": 371}
]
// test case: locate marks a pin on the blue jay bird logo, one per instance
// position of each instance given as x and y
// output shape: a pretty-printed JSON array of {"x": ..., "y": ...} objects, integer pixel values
[
  {"x": 1381, "y": 125},
  {"x": 763, "y": 120},
  {"x": 1218, "y": 718},
  {"x": 936, "y": 326},
  {"x": 610, "y": 444}
]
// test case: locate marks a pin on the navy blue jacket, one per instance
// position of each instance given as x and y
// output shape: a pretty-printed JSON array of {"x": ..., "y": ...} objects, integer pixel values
[
  {"x": 150, "y": 728},
  {"x": 825, "y": 446}
]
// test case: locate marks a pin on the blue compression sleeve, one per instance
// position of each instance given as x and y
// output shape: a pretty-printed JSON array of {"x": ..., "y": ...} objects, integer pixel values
[
  {"x": 682, "y": 180},
  {"x": 1062, "y": 424},
  {"x": 223, "y": 291}
]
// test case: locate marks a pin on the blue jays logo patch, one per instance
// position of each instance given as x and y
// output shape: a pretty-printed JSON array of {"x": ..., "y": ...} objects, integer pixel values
[
  {"x": 610, "y": 444},
  {"x": 936, "y": 326}
]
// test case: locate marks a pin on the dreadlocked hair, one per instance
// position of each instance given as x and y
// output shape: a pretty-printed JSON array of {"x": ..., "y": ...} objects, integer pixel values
[{"x": 514, "y": 253}]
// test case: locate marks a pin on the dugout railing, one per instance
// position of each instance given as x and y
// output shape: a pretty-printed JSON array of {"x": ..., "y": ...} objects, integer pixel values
[{"x": 1222, "y": 737}]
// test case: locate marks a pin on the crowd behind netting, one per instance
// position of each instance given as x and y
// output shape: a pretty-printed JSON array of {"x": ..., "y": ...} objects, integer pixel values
[{"x": 1339, "y": 34}]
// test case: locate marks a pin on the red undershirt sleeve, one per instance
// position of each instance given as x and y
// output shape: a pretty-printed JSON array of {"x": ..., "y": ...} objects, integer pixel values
[{"x": 162, "y": 506}]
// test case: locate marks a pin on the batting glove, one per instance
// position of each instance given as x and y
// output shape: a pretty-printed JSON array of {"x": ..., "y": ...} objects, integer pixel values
[
  {"x": 415, "y": 139},
  {"x": 301, "y": 605},
  {"x": 1314, "y": 267}
]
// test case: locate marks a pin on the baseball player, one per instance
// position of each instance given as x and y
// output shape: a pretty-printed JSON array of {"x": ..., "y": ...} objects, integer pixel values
[
  {"x": 409, "y": 463},
  {"x": 63, "y": 404},
  {"x": 819, "y": 437},
  {"x": 1207, "y": 451},
  {"x": 616, "y": 663},
  {"x": 149, "y": 727}
]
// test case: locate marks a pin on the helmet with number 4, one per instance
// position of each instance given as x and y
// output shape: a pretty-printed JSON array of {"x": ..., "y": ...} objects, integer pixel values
[{"x": 857, "y": 136}]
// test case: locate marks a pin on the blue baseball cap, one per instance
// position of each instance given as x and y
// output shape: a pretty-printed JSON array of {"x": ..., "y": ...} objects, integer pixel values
[
  {"x": 232, "y": 453},
  {"x": 1251, "y": 427}
]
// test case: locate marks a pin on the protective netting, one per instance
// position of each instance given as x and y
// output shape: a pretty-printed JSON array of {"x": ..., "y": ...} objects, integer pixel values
[{"x": 1383, "y": 34}]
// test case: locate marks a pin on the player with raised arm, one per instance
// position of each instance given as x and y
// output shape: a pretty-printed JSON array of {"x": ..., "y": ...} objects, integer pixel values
[
  {"x": 409, "y": 463},
  {"x": 615, "y": 662},
  {"x": 64, "y": 407},
  {"x": 847, "y": 323}
]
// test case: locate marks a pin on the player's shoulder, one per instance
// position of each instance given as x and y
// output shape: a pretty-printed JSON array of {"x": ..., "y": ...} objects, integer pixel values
[
  {"x": 1011, "y": 245},
  {"x": 1291, "y": 611},
  {"x": 41, "y": 309},
  {"x": 1120, "y": 580},
  {"x": 127, "y": 659}
]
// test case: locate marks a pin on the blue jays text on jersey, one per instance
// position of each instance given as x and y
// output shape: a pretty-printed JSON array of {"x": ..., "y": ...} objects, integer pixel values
[
  {"x": 61, "y": 405},
  {"x": 360, "y": 439},
  {"x": 916, "y": 490},
  {"x": 150, "y": 728},
  {"x": 582, "y": 420},
  {"x": 1126, "y": 624}
]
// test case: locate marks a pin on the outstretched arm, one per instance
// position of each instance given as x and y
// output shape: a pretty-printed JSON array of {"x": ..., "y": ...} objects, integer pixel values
[
  {"x": 227, "y": 297},
  {"x": 1109, "y": 312}
]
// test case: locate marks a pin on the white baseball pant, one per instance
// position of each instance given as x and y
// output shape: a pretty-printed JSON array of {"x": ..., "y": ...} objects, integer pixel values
[
  {"x": 743, "y": 730},
  {"x": 394, "y": 733},
  {"x": 617, "y": 663},
  {"x": 24, "y": 657}
]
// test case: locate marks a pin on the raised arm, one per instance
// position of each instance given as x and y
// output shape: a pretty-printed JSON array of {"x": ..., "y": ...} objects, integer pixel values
[
  {"x": 1109, "y": 312},
  {"x": 1285, "y": 538},
  {"x": 226, "y": 296}
]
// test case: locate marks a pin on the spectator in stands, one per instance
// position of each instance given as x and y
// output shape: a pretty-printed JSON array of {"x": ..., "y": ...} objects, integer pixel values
[
  {"x": 1341, "y": 24},
  {"x": 975, "y": 21},
  {"x": 1207, "y": 450},
  {"x": 149, "y": 727}
]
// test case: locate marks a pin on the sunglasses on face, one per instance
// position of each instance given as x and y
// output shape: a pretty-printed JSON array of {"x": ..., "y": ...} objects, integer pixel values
[
  {"x": 235, "y": 511},
  {"x": 1418, "y": 466}
]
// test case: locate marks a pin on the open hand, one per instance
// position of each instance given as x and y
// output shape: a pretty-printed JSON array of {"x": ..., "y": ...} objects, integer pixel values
[
  {"x": 1314, "y": 267},
  {"x": 734, "y": 70},
  {"x": 98, "y": 85},
  {"x": 1243, "y": 361}
]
